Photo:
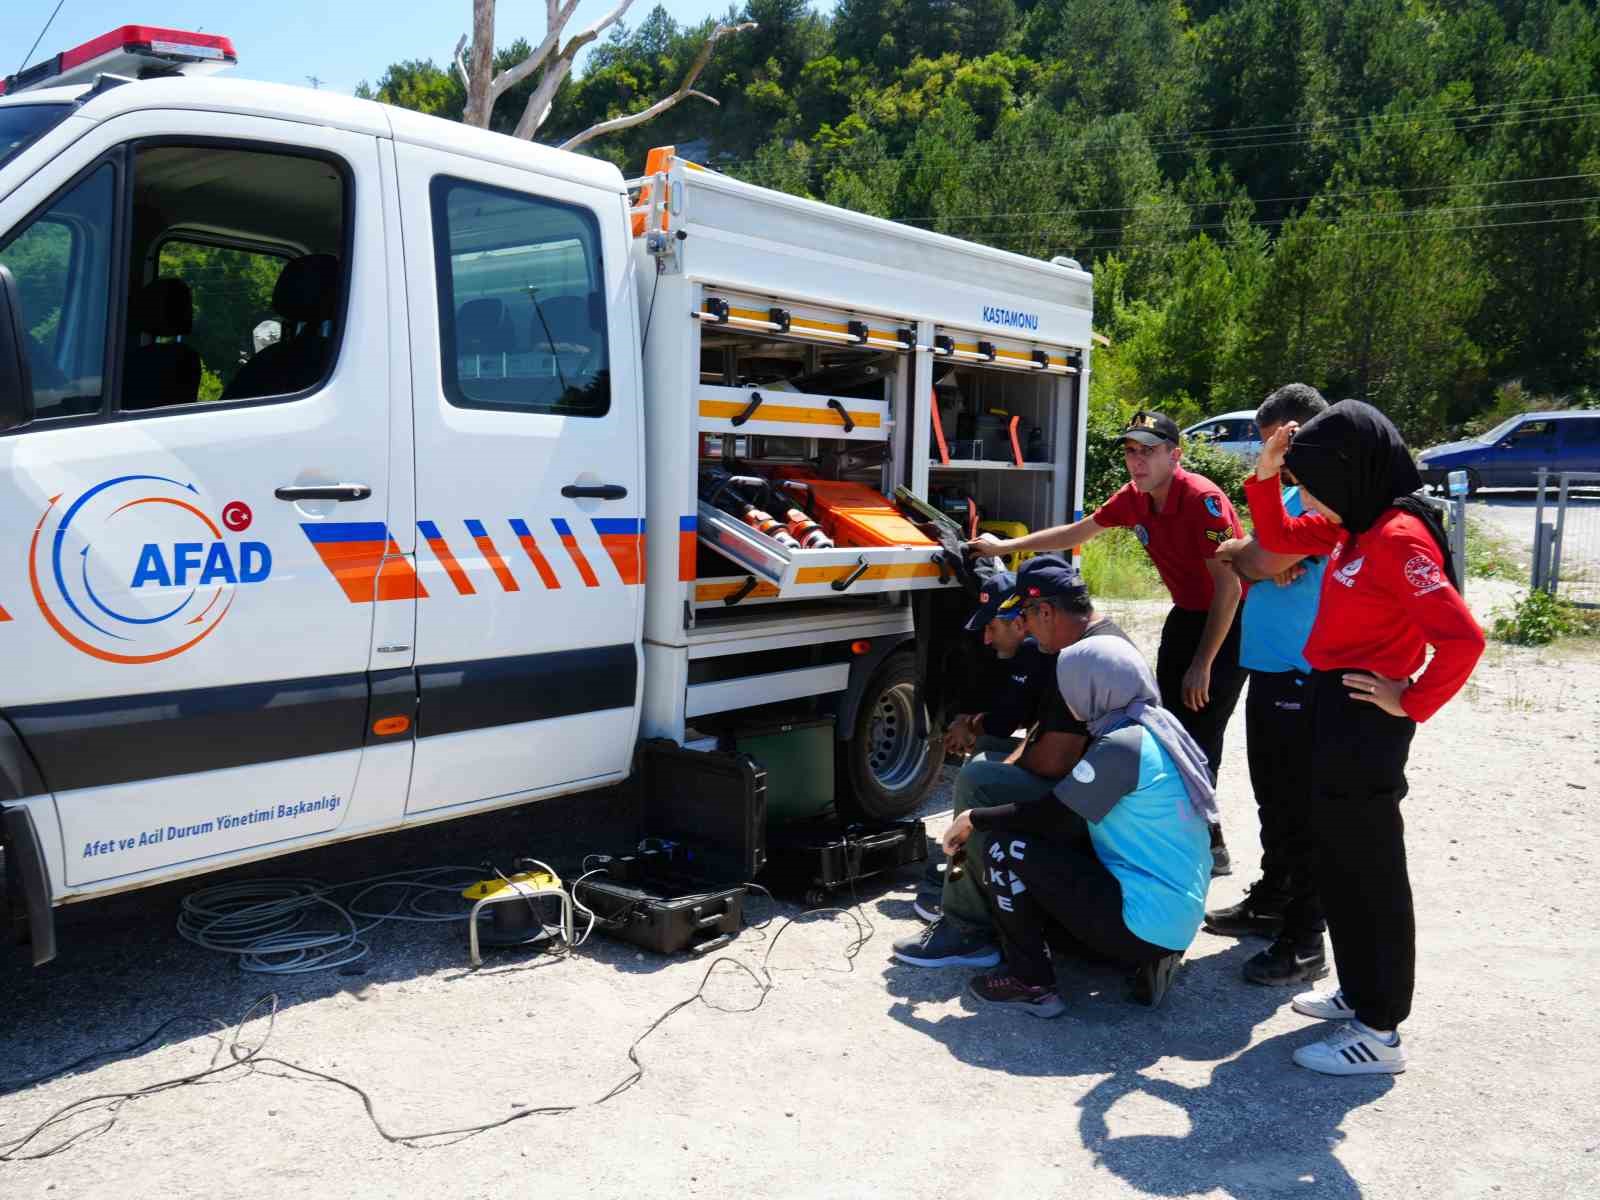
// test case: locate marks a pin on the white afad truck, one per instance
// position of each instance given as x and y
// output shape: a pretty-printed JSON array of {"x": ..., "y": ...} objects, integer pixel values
[{"x": 360, "y": 469}]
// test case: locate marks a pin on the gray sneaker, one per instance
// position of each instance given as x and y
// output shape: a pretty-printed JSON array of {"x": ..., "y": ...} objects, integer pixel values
[{"x": 943, "y": 945}]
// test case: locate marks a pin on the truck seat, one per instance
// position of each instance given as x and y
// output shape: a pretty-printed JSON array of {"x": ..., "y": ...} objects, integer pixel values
[
  {"x": 161, "y": 373},
  {"x": 305, "y": 297}
]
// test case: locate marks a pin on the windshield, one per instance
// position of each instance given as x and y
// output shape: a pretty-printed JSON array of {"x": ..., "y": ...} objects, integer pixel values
[
  {"x": 22, "y": 123},
  {"x": 1500, "y": 430}
]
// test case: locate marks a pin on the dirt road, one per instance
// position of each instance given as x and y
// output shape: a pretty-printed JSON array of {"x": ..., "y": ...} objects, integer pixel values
[{"x": 864, "y": 1078}]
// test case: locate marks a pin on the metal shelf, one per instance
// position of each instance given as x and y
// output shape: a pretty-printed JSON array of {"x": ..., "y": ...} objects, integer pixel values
[{"x": 988, "y": 465}]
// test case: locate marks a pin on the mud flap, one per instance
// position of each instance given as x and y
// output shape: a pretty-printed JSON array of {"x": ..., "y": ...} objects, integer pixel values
[{"x": 25, "y": 874}]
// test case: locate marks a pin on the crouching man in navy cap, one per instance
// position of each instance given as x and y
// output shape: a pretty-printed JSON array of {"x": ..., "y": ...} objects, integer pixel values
[{"x": 1050, "y": 603}]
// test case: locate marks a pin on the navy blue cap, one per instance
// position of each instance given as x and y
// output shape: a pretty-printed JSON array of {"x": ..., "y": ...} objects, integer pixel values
[
  {"x": 1044, "y": 576},
  {"x": 996, "y": 591}
]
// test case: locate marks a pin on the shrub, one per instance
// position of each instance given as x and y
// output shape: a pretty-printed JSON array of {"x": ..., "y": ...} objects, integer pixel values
[
  {"x": 1540, "y": 618},
  {"x": 1116, "y": 567}
]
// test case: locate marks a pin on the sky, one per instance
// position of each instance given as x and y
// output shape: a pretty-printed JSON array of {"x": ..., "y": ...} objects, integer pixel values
[{"x": 285, "y": 41}]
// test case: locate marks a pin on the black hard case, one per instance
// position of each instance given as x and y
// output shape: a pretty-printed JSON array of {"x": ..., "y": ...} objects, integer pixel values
[
  {"x": 818, "y": 858},
  {"x": 708, "y": 814}
]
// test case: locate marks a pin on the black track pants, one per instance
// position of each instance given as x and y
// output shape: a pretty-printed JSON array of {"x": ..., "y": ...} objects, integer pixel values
[
  {"x": 1358, "y": 772},
  {"x": 1029, "y": 879},
  {"x": 1180, "y": 635},
  {"x": 1277, "y": 725}
]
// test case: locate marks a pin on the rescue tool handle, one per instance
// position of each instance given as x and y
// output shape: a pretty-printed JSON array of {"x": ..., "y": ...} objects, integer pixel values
[
  {"x": 840, "y": 585},
  {"x": 849, "y": 422},
  {"x": 749, "y": 410},
  {"x": 324, "y": 491},
  {"x": 595, "y": 491}
]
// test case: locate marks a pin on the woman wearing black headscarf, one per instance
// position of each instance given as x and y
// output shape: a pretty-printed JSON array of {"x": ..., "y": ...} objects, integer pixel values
[{"x": 1387, "y": 595}]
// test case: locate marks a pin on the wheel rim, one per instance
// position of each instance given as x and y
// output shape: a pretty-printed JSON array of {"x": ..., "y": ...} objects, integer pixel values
[{"x": 894, "y": 752}]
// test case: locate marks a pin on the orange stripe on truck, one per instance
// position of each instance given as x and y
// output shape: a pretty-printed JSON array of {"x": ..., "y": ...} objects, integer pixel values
[
  {"x": 491, "y": 555},
  {"x": 575, "y": 552},
  {"x": 441, "y": 551}
]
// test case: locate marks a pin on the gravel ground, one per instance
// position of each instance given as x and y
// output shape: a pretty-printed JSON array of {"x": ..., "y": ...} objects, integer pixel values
[{"x": 859, "y": 1078}]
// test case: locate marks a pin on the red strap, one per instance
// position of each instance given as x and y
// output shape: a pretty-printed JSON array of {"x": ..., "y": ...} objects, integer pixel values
[
  {"x": 938, "y": 433},
  {"x": 1016, "y": 449}
]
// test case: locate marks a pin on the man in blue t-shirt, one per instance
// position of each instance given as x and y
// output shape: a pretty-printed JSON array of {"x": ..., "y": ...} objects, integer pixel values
[{"x": 1283, "y": 904}]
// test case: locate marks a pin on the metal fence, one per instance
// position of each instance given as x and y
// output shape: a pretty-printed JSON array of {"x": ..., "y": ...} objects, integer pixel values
[{"x": 1566, "y": 536}]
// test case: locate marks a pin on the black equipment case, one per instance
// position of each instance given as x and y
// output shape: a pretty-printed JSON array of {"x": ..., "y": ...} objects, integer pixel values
[
  {"x": 816, "y": 858},
  {"x": 703, "y": 823}
]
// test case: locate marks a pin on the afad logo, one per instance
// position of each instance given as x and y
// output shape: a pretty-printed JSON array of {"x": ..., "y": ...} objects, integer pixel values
[{"x": 135, "y": 570}]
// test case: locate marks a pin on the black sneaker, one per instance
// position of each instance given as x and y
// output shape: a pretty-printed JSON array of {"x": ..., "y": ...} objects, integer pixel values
[
  {"x": 1221, "y": 860},
  {"x": 1035, "y": 999},
  {"x": 929, "y": 904},
  {"x": 1151, "y": 981},
  {"x": 1259, "y": 914},
  {"x": 933, "y": 872},
  {"x": 943, "y": 945},
  {"x": 1285, "y": 962}
]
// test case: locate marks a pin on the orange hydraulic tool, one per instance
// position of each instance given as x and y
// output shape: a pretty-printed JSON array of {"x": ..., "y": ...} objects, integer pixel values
[{"x": 854, "y": 514}]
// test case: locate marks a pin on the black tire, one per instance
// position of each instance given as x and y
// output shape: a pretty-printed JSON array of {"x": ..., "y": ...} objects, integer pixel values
[
  {"x": 1473, "y": 482},
  {"x": 885, "y": 770}
]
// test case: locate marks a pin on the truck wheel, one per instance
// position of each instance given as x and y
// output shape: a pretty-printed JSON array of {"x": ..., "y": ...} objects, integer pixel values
[{"x": 885, "y": 769}]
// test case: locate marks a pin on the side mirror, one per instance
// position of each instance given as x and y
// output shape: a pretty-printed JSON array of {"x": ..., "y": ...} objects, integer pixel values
[{"x": 16, "y": 380}]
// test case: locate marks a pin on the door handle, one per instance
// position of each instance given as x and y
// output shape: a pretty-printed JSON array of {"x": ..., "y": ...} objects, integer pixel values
[
  {"x": 595, "y": 491},
  {"x": 323, "y": 491}
]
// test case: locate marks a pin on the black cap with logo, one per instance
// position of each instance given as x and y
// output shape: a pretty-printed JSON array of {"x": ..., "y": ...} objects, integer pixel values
[
  {"x": 997, "y": 589},
  {"x": 1151, "y": 428},
  {"x": 1044, "y": 576}
]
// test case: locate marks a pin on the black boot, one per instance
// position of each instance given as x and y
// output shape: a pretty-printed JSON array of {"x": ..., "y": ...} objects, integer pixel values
[
  {"x": 1259, "y": 914},
  {"x": 1288, "y": 961},
  {"x": 1221, "y": 860}
]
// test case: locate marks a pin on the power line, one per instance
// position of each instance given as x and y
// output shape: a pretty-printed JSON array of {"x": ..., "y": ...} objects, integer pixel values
[
  {"x": 1137, "y": 243},
  {"x": 1201, "y": 226},
  {"x": 1563, "y": 108},
  {"x": 1179, "y": 205}
]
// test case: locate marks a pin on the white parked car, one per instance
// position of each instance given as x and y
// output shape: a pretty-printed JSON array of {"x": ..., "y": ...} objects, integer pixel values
[{"x": 1234, "y": 432}]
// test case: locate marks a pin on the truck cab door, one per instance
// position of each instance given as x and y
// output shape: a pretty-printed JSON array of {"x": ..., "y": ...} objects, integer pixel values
[
  {"x": 529, "y": 485},
  {"x": 192, "y": 528}
]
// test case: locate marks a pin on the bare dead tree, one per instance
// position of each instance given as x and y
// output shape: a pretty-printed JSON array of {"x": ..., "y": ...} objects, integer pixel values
[
  {"x": 555, "y": 58},
  {"x": 683, "y": 92}
]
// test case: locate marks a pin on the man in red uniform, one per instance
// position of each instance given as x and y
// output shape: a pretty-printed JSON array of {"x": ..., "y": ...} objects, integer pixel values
[{"x": 1180, "y": 518}]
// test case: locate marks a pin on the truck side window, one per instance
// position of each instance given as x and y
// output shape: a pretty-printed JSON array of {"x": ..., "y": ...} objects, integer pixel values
[
  {"x": 230, "y": 292},
  {"x": 522, "y": 312},
  {"x": 62, "y": 264},
  {"x": 239, "y": 274}
]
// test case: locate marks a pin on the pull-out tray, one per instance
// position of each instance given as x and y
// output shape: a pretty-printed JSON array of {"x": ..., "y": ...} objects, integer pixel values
[
  {"x": 790, "y": 414},
  {"x": 840, "y": 571}
]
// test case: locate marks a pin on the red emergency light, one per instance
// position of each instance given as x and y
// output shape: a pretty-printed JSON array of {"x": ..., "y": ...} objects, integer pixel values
[{"x": 136, "y": 51}]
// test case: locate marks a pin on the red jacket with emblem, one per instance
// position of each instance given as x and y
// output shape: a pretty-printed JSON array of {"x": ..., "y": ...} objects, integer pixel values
[{"x": 1385, "y": 599}]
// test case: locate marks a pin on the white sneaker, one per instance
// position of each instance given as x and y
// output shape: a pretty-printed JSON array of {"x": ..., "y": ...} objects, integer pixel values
[
  {"x": 1353, "y": 1050},
  {"x": 1325, "y": 1006}
]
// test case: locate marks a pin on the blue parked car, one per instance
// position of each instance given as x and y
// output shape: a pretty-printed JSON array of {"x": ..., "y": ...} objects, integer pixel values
[{"x": 1511, "y": 453}]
